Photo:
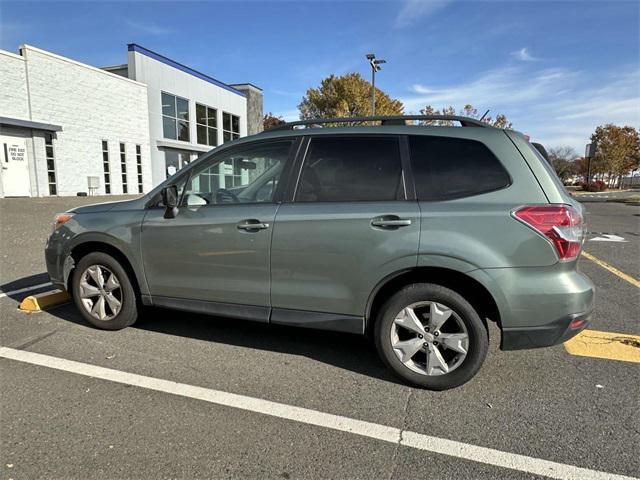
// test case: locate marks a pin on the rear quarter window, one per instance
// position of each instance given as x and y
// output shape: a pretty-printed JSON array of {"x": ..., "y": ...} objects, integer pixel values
[{"x": 445, "y": 168}]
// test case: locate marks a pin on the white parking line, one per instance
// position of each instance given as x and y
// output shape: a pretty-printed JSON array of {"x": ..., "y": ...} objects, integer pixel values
[
  {"x": 327, "y": 420},
  {"x": 25, "y": 289}
]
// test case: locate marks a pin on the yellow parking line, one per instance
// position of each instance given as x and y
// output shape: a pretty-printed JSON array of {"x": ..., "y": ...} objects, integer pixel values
[
  {"x": 633, "y": 281},
  {"x": 611, "y": 346}
]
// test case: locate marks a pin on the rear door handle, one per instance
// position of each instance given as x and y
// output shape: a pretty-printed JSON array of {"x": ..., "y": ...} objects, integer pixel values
[
  {"x": 252, "y": 225},
  {"x": 390, "y": 222}
]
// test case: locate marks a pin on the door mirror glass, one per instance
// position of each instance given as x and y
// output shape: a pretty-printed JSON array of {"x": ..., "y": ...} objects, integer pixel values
[{"x": 170, "y": 196}]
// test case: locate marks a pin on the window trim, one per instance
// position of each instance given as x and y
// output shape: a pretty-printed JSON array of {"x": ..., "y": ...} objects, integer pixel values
[
  {"x": 407, "y": 179},
  {"x": 48, "y": 142},
  {"x": 139, "y": 168},
  {"x": 230, "y": 131},
  {"x": 207, "y": 126},
  {"x": 176, "y": 119},
  {"x": 103, "y": 150},
  {"x": 123, "y": 168},
  {"x": 458, "y": 197}
]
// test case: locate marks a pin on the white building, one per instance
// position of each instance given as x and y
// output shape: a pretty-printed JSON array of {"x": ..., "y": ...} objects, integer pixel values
[{"x": 125, "y": 127}]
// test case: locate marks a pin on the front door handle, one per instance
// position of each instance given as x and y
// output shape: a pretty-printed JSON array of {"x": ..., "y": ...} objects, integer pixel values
[
  {"x": 252, "y": 225},
  {"x": 390, "y": 222}
]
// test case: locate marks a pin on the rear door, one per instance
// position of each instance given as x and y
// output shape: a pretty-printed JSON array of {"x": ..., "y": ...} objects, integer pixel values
[{"x": 351, "y": 220}]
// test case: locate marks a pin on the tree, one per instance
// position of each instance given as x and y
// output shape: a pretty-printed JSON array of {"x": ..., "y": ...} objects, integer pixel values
[
  {"x": 467, "y": 111},
  {"x": 346, "y": 96},
  {"x": 270, "y": 120},
  {"x": 617, "y": 151},
  {"x": 563, "y": 159}
]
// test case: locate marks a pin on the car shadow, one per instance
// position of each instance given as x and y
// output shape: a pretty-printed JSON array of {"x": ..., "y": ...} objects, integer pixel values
[
  {"x": 346, "y": 351},
  {"x": 25, "y": 282}
]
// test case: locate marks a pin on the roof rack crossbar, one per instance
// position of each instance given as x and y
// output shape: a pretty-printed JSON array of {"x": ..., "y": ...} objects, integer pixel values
[{"x": 384, "y": 120}]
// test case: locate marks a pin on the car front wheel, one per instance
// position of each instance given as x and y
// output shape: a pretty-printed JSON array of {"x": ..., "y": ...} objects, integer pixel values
[
  {"x": 431, "y": 337},
  {"x": 103, "y": 292}
]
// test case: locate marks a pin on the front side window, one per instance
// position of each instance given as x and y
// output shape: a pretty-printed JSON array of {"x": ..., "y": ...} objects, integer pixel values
[
  {"x": 445, "y": 168},
  {"x": 351, "y": 169},
  {"x": 207, "y": 125},
  {"x": 250, "y": 175},
  {"x": 230, "y": 127},
  {"x": 175, "y": 117}
]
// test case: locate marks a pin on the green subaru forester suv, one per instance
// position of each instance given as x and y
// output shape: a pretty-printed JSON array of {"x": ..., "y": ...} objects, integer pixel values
[{"x": 415, "y": 235}]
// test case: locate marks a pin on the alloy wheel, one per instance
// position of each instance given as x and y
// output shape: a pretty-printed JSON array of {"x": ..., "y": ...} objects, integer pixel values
[
  {"x": 100, "y": 292},
  {"x": 429, "y": 338}
]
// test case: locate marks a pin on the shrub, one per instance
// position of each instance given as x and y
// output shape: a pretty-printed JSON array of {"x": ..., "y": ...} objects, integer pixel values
[{"x": 595, "y": 186}]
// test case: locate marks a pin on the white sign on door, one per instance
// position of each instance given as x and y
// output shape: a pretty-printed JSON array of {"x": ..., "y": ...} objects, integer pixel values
[{"x": 15, "y": 167}]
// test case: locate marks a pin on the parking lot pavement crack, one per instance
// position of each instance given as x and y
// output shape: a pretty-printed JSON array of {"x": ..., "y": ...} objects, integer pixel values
[
  {"x": 32, "y": 340},
  {"x": 394, "y": 457}
]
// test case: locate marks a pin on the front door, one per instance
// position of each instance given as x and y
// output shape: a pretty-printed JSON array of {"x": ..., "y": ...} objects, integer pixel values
[
  {"x": 15, "y": 167},
  {"x": 217, "y": 248},
  {"x": 350, "y": 225}
]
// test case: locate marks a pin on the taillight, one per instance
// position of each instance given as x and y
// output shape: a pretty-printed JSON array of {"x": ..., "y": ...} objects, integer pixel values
[{"x": 562, "y": 225}]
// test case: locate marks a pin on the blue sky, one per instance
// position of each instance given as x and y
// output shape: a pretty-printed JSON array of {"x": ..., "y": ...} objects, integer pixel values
[{"x": 556, "y": 69}]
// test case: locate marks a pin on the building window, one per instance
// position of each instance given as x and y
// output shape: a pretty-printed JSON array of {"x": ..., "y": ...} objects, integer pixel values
[
  {"x": 139, "y": 166},
  {"x": 230, "y": 127},
  {"x": 207, "y": 125},
  {"x": 105, "y": 165},
  {"x": 175, "y": 117},
  {"x": 123, "y": 167},
  {"x": 51, "y": 164}
]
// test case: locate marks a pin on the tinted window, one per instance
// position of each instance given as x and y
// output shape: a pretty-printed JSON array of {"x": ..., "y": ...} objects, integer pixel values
[
  {"x": 446, "y": 168},
  {"x": 344, "y": 169}
]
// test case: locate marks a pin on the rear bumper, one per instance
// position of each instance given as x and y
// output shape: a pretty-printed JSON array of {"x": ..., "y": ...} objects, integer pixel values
[
  {"x": 538, "y": 304},
  {"x": 559, "y": 331}
]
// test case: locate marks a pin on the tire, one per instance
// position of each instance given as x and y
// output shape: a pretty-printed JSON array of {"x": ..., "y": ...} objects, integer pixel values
[
  {"x": 397, "y": 335},
  {"x": 88, "y": 293}
]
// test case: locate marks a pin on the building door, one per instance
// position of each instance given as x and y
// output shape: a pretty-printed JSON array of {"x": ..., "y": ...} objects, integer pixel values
[
  {"x": 175, "y": 160},
  {"x": 15, "y": 167}
]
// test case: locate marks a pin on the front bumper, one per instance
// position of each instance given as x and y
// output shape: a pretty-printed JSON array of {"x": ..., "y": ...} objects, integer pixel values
[
  {"x": 559, "y": 331},
  {"x": 58, "y": 261}
]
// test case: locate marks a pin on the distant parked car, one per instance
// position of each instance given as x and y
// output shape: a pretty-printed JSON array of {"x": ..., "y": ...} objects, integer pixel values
[{"x": 415, "y": 235}]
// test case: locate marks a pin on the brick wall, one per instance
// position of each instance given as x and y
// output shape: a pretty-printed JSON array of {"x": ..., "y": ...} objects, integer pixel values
[{"x": 91, "y": 105}]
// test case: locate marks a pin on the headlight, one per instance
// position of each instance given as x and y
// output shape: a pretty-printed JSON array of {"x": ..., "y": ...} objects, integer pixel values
[{"x": 61, "y": 219}]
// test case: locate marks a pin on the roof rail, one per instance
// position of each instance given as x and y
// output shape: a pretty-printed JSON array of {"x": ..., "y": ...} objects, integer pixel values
[{"x": 384, "y": 120}]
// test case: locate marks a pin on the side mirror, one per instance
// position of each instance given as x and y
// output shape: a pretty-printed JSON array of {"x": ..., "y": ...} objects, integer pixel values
[{"x": 170, "y": 201}]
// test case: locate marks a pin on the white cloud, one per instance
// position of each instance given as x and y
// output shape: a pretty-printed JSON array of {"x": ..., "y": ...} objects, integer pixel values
[
  {"x": 555, "y": 106},
  {"x": 414, "y": 10},
  {"x": 523, "y": 55},
  {"x": 149, "y": 28}
]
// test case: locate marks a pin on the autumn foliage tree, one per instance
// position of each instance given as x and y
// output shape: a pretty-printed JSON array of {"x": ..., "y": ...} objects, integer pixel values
[
  {"x": 563, "y": 160},
  {"x": 500, "y": 121},
  {"x": 270, "y": 121},
  {"x": 617, "y": 151},
  {"x": 346, "y": 96}
]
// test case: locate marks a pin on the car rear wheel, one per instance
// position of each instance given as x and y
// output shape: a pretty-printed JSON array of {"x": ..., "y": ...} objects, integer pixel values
[
  {"x": 431, "y": 337},
  {"x": 103, "y": 292}
]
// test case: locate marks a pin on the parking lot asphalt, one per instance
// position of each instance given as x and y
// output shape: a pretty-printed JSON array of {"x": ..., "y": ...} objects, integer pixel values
[{"x": 545, "y": 404}]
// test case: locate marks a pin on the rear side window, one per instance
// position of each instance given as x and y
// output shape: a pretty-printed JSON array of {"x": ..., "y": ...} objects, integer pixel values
[
  {"x": 351, "y": 169},
  {"x": 445, "y": 168}
]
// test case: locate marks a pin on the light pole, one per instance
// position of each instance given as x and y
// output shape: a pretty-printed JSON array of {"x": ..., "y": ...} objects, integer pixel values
[{"x": 375, "y": 67}]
